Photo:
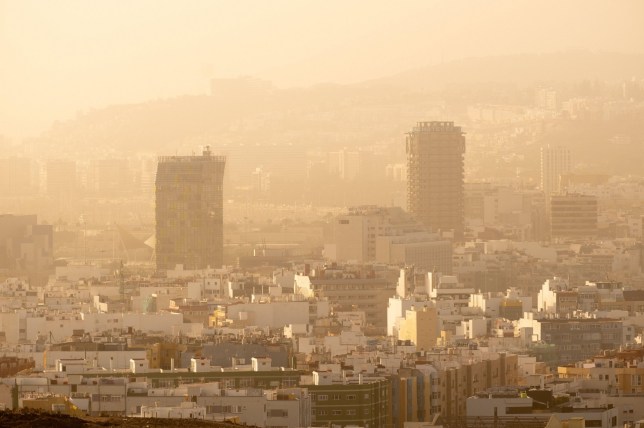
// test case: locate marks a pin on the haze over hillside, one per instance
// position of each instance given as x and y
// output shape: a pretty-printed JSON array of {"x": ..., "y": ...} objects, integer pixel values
[
  {"x": 322, "y": 213},
  {"x": 565, "y": 66},
  {"x": 183, "y": 117},
  {"x": 67, "y": 56},
  {"x": 276, "y": 127}
]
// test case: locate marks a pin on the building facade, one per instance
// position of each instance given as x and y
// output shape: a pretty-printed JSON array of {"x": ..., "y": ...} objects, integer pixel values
[
  {"x": 573, "y": 216},
  {"x": 189, "y": 211},
  {"x": 617, "y": 372},
  {"x": 354, "y": 402},
  {"x": 581, "y": 338},
  {"x": 26, "y": 247},
  {"x": 370, "y": 295},
  {"x": 387, "y": 235},
  {"x": 435, "y": 171},
  {"x": 555, "y": 161},
  {"x": 420, "y": 326}
]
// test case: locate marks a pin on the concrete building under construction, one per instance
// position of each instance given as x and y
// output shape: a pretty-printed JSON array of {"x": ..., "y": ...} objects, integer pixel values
[
  {"x": 189, "y": 211},
  {"x": 435, "y": 169}
]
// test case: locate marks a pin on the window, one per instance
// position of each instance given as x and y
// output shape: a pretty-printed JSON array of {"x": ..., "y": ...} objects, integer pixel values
[
  {"x": 336, "y": 396},
  {"x": 110, "y": 398},
  {"x": 351, "y": 412},
  {"x": 351, "y": 396},
  {"x": 219, "y": 409},
  {"x": 323, "y": 397},
  {"x": 336, "y": 412}
]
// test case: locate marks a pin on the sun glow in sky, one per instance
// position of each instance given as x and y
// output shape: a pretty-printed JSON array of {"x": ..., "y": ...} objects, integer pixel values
[{"x": 59, "y": 57}]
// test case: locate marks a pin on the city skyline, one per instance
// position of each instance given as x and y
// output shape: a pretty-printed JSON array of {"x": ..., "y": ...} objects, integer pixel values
[{"x": 322, "y": 214}]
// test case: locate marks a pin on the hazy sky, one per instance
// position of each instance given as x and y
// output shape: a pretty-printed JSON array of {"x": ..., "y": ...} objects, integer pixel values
[{"x": 61, "y": 56}]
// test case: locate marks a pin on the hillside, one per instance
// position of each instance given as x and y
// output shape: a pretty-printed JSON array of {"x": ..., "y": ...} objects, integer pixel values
[
  {"x": 28, "y": 419},
  {"x": 278, "y": 129},
  {"x": 572, "y": 66}
]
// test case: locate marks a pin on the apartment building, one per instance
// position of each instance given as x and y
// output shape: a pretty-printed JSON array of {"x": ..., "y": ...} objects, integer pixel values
[
  {"x": 387, "y": 235},
  {"x": 435, "y": 152},
  {"x": 355, "y": 401},
  {"x": 618, "y": 372}
]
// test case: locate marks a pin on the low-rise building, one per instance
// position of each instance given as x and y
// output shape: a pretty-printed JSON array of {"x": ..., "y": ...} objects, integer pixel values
[
  {"x": 510, "y": 407},
  {"x": 353, "y": 400},
  {"x": 616, "y": 372},
  {"x": 576, "y": 338}
]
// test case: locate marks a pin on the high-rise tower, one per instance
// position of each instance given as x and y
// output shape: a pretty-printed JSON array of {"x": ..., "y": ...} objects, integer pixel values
[
  {"x": 555, "y": 161},
  {"x": 435, "y": 152},
  {"x": 189, "y": 211}
]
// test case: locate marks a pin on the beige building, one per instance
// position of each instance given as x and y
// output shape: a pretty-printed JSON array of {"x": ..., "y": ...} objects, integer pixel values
[
  {"x": 370, "y": 295},
  {"x": 444, "y": 381},
  {"x": 387, "y": 235},
  {"x": 573, "y": 216},
  {"x": 46, "y": 402},
  {"x": 619, "y": 373},
  {"x": 459, "y": 383},
  {"x": 420, "y": 326}
]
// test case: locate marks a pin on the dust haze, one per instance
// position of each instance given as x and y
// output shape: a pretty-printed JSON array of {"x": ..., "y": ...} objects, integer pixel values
[
  {"x": 69, "y": 56},
  {"x": 373, "y": 195}
]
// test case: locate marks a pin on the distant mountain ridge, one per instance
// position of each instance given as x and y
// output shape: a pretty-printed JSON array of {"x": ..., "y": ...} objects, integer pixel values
[
  {"x": 351, "y": 114},
  {"x": 528, "y": 68}
]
